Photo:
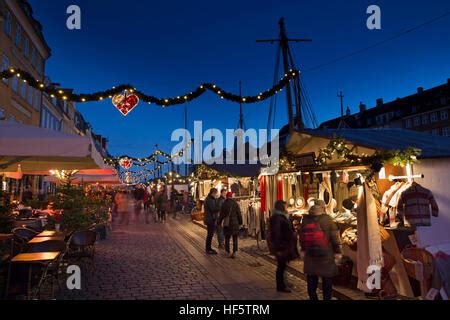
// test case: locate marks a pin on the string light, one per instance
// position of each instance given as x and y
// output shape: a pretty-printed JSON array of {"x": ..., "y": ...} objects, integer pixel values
[{"x": 147, "y": 98}]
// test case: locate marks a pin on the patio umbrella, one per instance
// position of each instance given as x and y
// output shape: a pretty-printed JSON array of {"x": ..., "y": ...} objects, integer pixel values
[{"x": 38, "y": 149}]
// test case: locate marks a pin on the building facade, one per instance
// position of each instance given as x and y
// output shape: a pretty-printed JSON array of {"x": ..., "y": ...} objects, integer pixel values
[
  {"x": 22, "y": 45},
  {"x": 425, "y": 111}
]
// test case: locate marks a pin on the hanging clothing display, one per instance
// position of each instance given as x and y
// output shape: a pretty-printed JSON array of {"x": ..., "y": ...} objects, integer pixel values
[
  {"x": 369, "y": 250},
  {"x": 280, "y": 189},
  {"x": 262, "y": 185},
  {"x": 416, "y": 205}
]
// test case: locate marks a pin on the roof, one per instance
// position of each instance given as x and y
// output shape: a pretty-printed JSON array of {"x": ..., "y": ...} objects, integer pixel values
[
  {"x": 432, "y": 146},
  {"x": 238, "y": 170},
  {"x": 425, "y": 101}
]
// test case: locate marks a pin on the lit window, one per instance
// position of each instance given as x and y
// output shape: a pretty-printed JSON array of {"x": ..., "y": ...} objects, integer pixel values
[
  {"x": 8, "y": 23},
  {"x": 26, "y": 47},
  {"x": 434, "y": 117},
  {"x": 2, "y": 114},
  {"x": 446, "y": 132},
  {"x": 444, "y": 115},
  {"x": 5, "y": 66},
  {"x": 425, "y": 119},
  {"x": 18, "y": 36},
  {"x": 416, "y": 121}
]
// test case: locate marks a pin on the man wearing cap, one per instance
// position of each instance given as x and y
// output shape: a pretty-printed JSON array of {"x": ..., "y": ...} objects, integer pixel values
[{"x": 320, "y": 250}]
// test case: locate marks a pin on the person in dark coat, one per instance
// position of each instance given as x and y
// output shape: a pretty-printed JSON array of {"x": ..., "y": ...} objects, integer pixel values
[
  {"x": 219, "y": 229},
  {"x": 212, "y": 208},
  {"x": 162, "y": 203},
  {"x": 282, "y": 242},
  {"x": 320, "y": 250},
  {"x": 231, "y": 220}
]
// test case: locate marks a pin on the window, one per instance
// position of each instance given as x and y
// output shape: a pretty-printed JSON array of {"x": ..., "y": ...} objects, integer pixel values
[
  {"x": 408, "y": 123},
  {"x": 416, "y": 121},
  {"x": 369, "y": 121},
  {"x": 23, "y": 90},
  {"x": 446, "y": 132},
  {"x": 26, "y": 47},
  {"x": 444, "y": 115},
  {"x": 425, "y": 119},
  {"x": 39, "y": 63},
  {"x": 49, "y": 121},
  {"x": 37, "y": 98},
  {"x": 30, "y": 96},
  {"x": 18, "y": 35},
  {"x": 7, "y": 27},
  {"x": 2, "y": 114},
  {"x": 15, "y": 84},
  {"x": 33, "y": 56},
  {"x": 5, "y": 66},
  {"x": 434, "y": 117},
  {"x": 414, "y": 109},
  {"x": 435, "y": 132}
]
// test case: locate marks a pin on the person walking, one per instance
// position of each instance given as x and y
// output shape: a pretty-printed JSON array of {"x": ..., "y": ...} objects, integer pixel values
[
  {"x": 320, "y": 250},
  {"x": 231, "y": 220},
  {"x": 162, "y": 202},
  {"x": 282, "y": 241},
  {"x": 124, "y": 207},
  {"x": 212, "y": 208},
  {"x": 219, "y": 229}
]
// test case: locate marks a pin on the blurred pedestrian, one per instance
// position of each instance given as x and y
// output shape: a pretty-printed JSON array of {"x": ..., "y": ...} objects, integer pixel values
[
  {"x": 320, "y": 250},
  {"x": 282, "y": 242},
  {"x": 212, "y": 208},
  {"x": 231, "y": 220},
  {"x": 162, "y": 203}
]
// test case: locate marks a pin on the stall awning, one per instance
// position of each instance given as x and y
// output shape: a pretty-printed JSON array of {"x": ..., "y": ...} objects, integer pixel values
[
  {"x": 39, "y": 149},
  {"x": 369, "y": 140}
]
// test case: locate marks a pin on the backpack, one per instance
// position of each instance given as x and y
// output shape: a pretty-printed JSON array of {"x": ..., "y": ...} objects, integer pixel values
[{"x": 313, "y": 238}]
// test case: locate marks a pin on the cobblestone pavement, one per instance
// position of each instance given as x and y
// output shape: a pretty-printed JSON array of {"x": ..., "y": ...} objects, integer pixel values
[{"x": 167, "y": 261}]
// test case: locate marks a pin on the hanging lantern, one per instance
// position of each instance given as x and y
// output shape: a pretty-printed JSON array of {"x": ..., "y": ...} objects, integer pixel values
[{"x": 125, "y": 102}]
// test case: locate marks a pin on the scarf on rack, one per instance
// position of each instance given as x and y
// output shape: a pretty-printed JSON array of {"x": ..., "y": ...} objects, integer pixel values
[
  {"x": 369, "y": 240},
  {"x": 262, "y": 187}
]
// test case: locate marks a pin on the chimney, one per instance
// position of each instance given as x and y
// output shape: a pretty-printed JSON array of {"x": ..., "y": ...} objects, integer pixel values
[
  {"x": 380, "y": 102},
  {"x": 348, "y": 112},
  {"x": 362, "y": 107},
  {"x": 420, "y": 90}
]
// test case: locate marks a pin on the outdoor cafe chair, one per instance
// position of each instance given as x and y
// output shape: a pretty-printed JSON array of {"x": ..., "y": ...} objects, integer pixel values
[
  {"x": 54, "y": 268},
  {"x": 82, "y": 245}
]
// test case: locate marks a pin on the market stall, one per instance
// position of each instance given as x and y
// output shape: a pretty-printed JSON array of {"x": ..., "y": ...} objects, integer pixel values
[
  {"x": 370, "y": 181},
  {"x": 241, "y": 179}
]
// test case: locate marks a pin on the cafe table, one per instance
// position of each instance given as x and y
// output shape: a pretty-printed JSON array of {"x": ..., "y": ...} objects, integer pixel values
[
  {"x": 34, "y": 258},
  {"x": 50, "y": 234},
  {"x": 38, "y": 239}
]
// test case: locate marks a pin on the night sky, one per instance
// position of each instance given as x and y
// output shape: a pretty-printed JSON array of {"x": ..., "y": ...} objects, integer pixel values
[{"x": 166, "y": 48}]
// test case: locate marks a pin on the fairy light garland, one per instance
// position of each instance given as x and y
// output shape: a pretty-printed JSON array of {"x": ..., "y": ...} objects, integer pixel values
[
  {"x": 68, "y": 95},
  {"x": 337, "y": 147}
]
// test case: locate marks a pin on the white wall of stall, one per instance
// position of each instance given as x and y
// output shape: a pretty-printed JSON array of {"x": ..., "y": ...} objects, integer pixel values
[{"x": 437, "y": 180}]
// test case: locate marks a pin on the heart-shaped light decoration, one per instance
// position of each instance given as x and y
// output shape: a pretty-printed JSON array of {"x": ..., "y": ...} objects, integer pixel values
[
  {"x": 125, "y": 102},
  {"x": 125, "y": 163}
]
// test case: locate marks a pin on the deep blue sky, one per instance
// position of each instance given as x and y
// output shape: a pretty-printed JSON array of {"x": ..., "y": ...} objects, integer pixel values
[{"x": 166, "y": 48}]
